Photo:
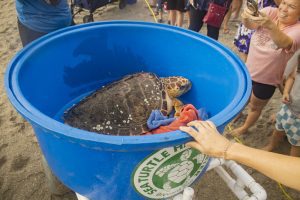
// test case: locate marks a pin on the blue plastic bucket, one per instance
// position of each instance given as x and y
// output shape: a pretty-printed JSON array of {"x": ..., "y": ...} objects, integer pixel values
[{"x": 53, "y": 72}]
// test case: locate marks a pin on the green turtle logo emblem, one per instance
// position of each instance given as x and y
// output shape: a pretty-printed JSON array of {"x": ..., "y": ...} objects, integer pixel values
[{"x": 168, "y": 171}]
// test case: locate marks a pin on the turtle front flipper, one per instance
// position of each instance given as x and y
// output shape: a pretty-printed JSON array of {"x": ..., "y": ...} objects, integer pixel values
[{"x": 178, "y": 105}]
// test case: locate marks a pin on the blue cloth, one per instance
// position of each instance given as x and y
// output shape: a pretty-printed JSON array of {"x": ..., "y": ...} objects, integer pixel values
[
  {"x": 43, "y": 17},
  {"x": 157, "y": 119}
]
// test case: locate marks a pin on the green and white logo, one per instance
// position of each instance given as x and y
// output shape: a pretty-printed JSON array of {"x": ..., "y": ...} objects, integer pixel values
[{"x": 168, "y": 171}]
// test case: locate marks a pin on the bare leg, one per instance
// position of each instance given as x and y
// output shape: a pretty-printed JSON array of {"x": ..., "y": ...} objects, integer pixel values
[
  {"x": 256, "y": 106},
  {"x": 153, "y": 3},
  {"x": 240, "y": 114},
  {"x": 188, "y": 18},
  {"x": 172, "y": 14},
  {"x": 179, "y": 18},
  {"x": 295, "y": 151},
  {"x": 237, "y": 10},
  {"x": 276, "y": 138},
  {"x": 225, "y": 22},
  {"x": 243, "y": 56},
  {"x": 161, "y": 15}
]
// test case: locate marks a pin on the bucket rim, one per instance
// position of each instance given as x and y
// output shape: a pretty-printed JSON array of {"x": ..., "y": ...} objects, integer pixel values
[{"x": 61, "y": 130}]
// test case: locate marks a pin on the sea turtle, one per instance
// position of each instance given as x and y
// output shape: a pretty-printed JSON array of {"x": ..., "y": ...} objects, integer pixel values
[
  {"x": 123, "y": 107},
  {"x": 179, "y": 171},
  {"x": 252, "y": 6}
]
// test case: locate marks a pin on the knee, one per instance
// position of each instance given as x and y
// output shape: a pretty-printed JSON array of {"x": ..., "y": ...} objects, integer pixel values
[{"x": 255, "y": 107}]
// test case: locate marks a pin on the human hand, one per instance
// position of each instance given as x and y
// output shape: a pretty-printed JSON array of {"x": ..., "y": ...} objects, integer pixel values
[
  {"x": 286, "y": 98},
  {"x": 262, "y": 20},
  {"x": 207, "y": 138},
  {"x": 247, "y": 13}
]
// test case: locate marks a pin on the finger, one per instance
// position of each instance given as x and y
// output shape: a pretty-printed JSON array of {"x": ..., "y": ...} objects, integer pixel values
[
  {"x": 247, "y": 16},
  {"x": 262, "y": 14},
  {"x": 189, "y": 130},
  {"x": 198, "y": 125},
  {"x": 247, "y": 10},
  {"x": 206, "y": 125},
  {"x": 211, "y": 124},
  {"x": 203, "y": 126}
]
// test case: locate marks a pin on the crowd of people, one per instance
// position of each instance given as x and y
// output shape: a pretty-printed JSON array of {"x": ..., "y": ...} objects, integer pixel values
[{"x": 267, "y": 40}]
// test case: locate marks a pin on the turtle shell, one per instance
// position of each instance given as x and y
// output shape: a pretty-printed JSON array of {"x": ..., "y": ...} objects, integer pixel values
[{"x": 120, "y": 108}]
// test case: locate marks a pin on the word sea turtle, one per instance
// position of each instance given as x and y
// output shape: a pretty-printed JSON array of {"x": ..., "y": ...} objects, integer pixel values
[{"x": 123, "y": 107}]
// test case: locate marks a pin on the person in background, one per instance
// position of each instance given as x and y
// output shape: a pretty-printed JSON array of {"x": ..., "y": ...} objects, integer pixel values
[
  {"x": 243, "y": 35},
  {"x": 187, "y": 11},
  {"x": 160, "y": 10},
  {"x": 288, "y": 118},
  {"x": 207, "y": 139},
  {"x": 35, "y": 19},
  {"x": 39, "y": 17},
  {"x": 176, "y": 11},
  {"x": 276, "y": 39},
  {"x": 235, "y": 12},
  {"x": 198, "y": 10}
]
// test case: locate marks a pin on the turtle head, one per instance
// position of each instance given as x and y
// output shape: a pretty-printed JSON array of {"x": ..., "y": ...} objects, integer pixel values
[
  {"x": 176, "y": 85},
  {"x": 253, "y": 7}
]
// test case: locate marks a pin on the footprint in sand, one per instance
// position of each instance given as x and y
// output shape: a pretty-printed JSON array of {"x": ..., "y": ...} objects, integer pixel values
[
  {"x": 259, "y": 126},
  {"x": 3, "y": 160},
  {"x": 3, "y": 146},
  {"x": 19, "y": 163},
  {"x": 13, "y": 118}
]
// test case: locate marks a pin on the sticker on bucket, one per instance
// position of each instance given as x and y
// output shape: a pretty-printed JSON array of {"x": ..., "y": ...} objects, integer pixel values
[{"x": 168, "y": 171}]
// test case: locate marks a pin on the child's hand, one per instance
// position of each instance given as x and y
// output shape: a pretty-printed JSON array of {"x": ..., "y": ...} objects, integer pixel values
[{"x": 286, "y": 98}]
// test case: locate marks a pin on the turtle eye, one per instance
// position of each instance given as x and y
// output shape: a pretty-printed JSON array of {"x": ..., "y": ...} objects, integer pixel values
[{"x": 182, "y": 87}]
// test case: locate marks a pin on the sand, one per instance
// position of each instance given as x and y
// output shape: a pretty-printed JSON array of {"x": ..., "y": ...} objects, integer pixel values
[{"x": 21, "y": 173}]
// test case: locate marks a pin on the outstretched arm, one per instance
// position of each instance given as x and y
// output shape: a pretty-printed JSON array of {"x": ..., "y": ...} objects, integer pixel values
[
  {"x": 281, "y": 39},
  {"x": 282, "y": 168}
]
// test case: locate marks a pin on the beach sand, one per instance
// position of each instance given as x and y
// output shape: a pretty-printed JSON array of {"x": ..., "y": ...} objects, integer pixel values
[{"x": 21, "y": 172}]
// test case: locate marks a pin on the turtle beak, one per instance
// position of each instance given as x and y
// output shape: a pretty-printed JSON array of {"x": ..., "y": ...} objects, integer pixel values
[{"x": 185, "y": 87}]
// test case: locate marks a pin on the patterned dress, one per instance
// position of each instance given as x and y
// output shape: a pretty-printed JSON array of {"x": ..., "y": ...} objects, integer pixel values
[{"x": 243, "y": 35}]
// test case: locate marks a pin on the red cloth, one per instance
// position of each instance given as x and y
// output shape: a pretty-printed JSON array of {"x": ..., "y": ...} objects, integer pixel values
[{"x": 187, "y": 114}]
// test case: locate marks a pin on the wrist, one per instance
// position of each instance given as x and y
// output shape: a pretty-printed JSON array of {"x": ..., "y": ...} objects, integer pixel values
[
  {"x": 271, "y": 26},
  {"x": 285, "y": 93},
  {"x": 230, "y": 153},
  {"x": 227, "y": 149}
]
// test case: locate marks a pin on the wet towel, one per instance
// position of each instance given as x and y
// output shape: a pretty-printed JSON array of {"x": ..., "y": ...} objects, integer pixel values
[
  {"x": 188, "y": 113},
  {"x": 157, "y": 119}
]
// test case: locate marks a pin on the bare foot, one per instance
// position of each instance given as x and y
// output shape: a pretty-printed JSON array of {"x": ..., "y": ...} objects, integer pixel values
[
  {"x": 238, "y": 117},
  {"x": 226, "y": 30},
  {"x": 238, "y": 131},
  {"x": 272, "y": 119}
]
